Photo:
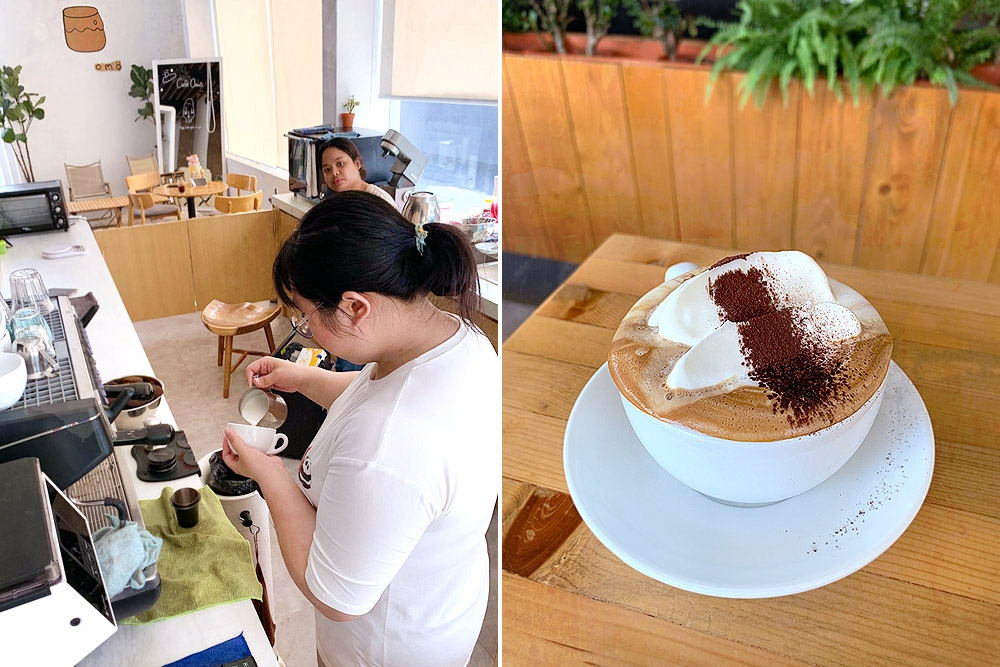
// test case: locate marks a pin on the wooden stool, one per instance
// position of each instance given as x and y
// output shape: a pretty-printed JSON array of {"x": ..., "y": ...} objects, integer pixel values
[{"x": 233, "y": 319}]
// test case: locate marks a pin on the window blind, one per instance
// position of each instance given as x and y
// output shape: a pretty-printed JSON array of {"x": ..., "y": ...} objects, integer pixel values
[
  {"x": 273, "y": 73},
  {"x": 440, "y": 49}
]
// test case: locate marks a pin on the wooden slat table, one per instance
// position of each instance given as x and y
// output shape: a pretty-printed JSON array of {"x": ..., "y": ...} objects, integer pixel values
[
  {"x": 932, "y": 599},
  {"x": 115, "y": 204}
]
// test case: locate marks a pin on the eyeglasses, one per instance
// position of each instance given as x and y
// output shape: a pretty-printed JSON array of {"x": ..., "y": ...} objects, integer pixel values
[{"x": 301, "y": 326}]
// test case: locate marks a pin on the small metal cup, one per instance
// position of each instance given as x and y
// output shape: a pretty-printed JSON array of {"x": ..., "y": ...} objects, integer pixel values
[
  {"x": 39, "y": 357},
  {"x": 185, "y": 502}
]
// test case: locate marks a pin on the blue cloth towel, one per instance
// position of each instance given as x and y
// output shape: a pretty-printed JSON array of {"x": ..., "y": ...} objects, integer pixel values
[
  {"x": 228, "y": 651},
  {"x": 124, "y": 550}
]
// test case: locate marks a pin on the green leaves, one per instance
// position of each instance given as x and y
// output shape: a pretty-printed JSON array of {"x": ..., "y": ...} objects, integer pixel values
[
  {"x": 142, "y": 88},
  {"x": 867, "y": 43},
  {"x": 18, "y": 110}
]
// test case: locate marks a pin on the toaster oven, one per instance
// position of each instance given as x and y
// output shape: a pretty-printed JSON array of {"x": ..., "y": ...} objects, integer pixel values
[{"x": 32, "y": 207}]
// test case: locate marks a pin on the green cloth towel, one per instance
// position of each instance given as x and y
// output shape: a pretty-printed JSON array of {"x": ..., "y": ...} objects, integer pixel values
[{"x": 199, "y": 567}]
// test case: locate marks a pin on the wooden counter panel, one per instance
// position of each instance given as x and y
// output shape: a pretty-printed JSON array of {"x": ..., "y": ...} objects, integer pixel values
[
  {"x": 232, "y": 256},
  {"x": 832, "y": 150},
  {"x": 649, "y": 133},
  {"x": 522, "y": 210},
  {"x": 901, "y": 184},
  {"x": 151, "y": 267},
  {"x": 965, "y": 222},
  {"x": 602, "y": 140},
  {"x": 539, "y": 89},
  {"x": 764, "y": 163},
  {"x": 701, "y": 148},
  {"x": 905, "y": 151}
]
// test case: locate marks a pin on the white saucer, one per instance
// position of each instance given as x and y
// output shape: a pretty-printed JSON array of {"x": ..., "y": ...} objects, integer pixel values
[{"x": 674, "y": 534}]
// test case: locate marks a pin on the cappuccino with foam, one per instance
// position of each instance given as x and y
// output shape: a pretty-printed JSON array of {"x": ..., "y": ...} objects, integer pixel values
[{"x": 758, "y": 347}]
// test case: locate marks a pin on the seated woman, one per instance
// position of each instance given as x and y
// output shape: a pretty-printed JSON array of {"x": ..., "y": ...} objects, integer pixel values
[
  {"x": 344, "y": 168},
  {"x": 383, "y": 529}
]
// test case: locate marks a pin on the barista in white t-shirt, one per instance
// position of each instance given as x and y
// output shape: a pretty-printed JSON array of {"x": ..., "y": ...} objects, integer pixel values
[{"x": 383, "y": 529}]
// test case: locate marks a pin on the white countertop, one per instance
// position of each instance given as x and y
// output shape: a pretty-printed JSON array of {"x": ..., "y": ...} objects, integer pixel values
[
  {"x": 489, "y": 279},
  {"x": 118, "y": 352}
]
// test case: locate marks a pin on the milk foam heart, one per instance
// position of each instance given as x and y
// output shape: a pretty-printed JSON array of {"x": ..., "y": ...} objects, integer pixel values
[
  {"x": 691, "y": 316},
  {"x": 760, "y": 346}
]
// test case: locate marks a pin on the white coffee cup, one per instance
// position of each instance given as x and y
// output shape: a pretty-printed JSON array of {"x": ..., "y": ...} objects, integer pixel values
[{"x": 260, "y": 438}]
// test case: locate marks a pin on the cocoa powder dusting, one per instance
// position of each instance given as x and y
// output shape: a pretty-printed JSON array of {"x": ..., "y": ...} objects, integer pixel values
[
  {"x": 726, "y": 260},
  {"x": 741, "y": 295},
  {"x": 804, "y": 380}
]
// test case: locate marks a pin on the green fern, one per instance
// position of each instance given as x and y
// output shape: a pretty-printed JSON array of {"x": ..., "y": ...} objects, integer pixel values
[{"x": 866, "y": 43}]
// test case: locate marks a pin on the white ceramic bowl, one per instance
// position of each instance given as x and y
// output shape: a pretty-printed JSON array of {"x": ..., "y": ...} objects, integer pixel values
[
  {"x": 13, "y": 379},
  {"x": 752, "y": 473}
]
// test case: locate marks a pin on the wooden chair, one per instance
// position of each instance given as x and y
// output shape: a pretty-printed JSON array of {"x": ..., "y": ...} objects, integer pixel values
[
  {"x": 226, "y": 320},
  {"x": 241, "y": 182},
  {"x": 87, "y": 182},
  {"x": 146, "y": 204},
  {"x": 242, "y": 204},
  {"x": 147, "y": 164}
]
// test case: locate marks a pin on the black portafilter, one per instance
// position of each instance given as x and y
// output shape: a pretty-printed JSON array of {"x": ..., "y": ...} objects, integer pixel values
[{"x": 142, "y": 391}]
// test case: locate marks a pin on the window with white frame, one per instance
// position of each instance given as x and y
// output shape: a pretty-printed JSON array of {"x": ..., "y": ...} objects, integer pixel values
[{"x": 461, "y": 145}]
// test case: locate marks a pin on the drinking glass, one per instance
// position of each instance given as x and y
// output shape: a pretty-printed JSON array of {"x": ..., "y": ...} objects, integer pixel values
[
  {"x": 28, "y": 291},
  {"x": 29, "y": 322}
]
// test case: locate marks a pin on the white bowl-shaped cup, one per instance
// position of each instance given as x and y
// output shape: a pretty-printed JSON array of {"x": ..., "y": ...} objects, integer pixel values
[
  {"x": 753, "y": 473},
  {"x": 13, "y": 379},
  {"x": 259, "y": 437}
]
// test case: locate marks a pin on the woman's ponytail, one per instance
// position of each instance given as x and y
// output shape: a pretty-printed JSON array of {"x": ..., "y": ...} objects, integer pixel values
[{"x": 449, "y": 267}]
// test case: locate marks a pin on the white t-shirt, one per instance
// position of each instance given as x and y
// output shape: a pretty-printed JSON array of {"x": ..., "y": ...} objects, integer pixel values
[
  {"x": 404, "y": 474},
  {"x": 373, "y": 189}
]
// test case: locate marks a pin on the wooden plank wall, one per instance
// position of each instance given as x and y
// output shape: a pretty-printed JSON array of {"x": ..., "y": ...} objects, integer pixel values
[
  {"x": 170, "y": 268},
  {"x": 595, "y": 146}
]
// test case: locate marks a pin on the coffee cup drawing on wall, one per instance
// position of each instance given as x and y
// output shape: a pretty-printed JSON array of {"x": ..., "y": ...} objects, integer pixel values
[
  {"x": 754, "y": 379},
  {"x": 84, "y": 29}
]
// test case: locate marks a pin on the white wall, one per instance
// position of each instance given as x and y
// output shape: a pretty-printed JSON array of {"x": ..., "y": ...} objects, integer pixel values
[{"x": 88, "y": 114}]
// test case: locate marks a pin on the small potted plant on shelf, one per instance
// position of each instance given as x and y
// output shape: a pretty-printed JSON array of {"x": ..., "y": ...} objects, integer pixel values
[{"x": 347, "y": 119}]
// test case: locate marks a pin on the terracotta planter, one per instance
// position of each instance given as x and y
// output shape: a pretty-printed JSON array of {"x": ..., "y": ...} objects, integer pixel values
[
  {"x": 347, "y": 121},
  {"x": 619, "y": 47},
  {"x": 987, "y": 73}
]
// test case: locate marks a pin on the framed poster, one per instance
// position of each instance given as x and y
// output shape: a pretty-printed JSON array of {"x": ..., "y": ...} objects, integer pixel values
[{"x": 187, "y": 101}]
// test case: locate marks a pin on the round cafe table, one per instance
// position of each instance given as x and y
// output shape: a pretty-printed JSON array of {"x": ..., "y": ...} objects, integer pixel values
[{"x": 207, "y": 190}]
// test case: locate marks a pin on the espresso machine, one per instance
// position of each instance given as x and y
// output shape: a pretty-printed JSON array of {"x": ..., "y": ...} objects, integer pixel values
[{"x": 406, "y": 169}]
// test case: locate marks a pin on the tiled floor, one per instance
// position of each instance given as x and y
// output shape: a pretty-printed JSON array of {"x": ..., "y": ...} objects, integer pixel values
[{"x": 183, "y": 355}]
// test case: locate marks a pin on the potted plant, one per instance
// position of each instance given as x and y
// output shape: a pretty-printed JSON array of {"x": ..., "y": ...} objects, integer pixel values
[
  {"x": 347, "y": 119},
  {"x": 881, "y": 43},
  {"x": 598, "y": 15},
  {"x": 663, "y": 21},
  {"x": 142, "y": 89},
  {"x": 550, "y": 16},
  {"x": 18, "y": 110}
]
